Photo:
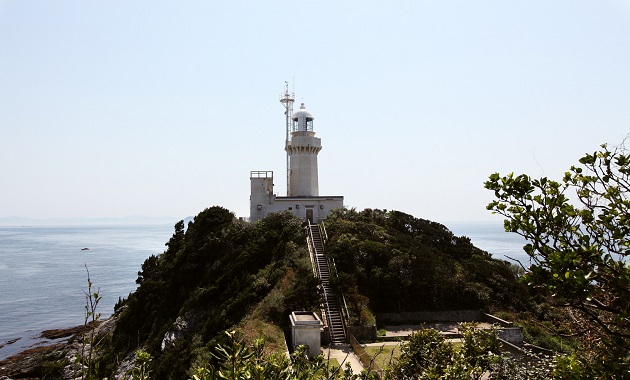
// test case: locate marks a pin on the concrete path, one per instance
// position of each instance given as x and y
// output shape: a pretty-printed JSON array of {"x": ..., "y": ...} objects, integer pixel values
[
  {"x": 379, "y": 344},
  {"x": 344, "y": 354},
  {"x": 445, "y": 327},
  {"x": 393, "y": 343}
]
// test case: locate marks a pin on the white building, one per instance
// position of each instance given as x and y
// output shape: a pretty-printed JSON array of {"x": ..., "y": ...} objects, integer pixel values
[{"x": 302, "y": 148}]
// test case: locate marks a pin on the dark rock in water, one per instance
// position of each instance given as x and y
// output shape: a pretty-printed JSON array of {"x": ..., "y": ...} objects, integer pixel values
[
  {"x": 85, "y": 249},
  {"x": 64, "y": 333},
  {"x": 8, "y": 342}
]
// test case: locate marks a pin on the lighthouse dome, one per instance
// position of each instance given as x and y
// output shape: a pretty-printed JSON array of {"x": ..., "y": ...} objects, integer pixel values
[{"x": 302, "y": 113}]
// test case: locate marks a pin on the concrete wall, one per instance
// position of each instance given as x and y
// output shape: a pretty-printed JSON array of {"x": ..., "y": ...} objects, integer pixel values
[
  {"x": 325, "y": 335},
  {"x": 505, "y": 331},
  {"x": 303, "y": 149},
  {"x": 261, "y": 193},
  {"x": 513, "y": 335},
  {"x": 513, "y": 349},
  {"x": 262, "y": 206},
  {"x": 489, "y": 318},
  {"x": 429, "y": 316},
  {"x": 363, "y": 334}
]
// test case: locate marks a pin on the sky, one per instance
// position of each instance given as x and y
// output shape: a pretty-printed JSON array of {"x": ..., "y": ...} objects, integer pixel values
[{"x": 162, "y": 108}]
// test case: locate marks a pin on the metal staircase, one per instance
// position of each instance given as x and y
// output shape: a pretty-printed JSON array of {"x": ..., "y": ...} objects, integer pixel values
[{"x": 333, "y": 306}]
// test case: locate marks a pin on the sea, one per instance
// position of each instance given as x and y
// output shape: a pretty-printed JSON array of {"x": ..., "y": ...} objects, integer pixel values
[{"x": 44, "y": 271}]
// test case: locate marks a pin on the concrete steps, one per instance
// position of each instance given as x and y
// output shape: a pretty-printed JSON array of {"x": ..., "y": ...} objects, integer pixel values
[{"x": 333, "y": 305}]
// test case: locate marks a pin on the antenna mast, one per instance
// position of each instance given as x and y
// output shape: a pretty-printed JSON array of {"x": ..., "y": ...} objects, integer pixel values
[{"x": 287, "y": 98}]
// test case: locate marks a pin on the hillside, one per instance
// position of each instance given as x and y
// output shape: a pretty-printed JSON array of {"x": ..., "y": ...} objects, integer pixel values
[
  {"x": 402, "y": 263},
  {"x": 214, "y": 274},
  {"x": 220, "y": 273}
]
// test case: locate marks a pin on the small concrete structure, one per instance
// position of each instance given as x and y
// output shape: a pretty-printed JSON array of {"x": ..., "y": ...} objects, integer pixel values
[
  {"x": 263, "y": 201},
  {"x": 305, "y": 330}
]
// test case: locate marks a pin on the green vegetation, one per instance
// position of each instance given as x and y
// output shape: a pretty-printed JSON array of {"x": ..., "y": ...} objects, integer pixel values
[
  {"x": 384, "y": 355},
  {"x": 236, "y": 360},
  {"x": 217, "y": 274},
  {"x": 220, "y": 274},
  {"x": 86, "y": 365},
  {"x": 428, "y": 355},
  {"x": 578, "y": 232},
  {"x": 395, "y": 262},
  {"x": 538, "y": 328}
]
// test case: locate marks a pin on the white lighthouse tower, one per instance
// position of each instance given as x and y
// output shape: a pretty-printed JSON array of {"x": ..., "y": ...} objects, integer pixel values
[{"x": 302, "y": 148}]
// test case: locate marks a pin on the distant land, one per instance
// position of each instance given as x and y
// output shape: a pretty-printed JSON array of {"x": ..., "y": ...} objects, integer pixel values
[{"x": 136, "y": 219}]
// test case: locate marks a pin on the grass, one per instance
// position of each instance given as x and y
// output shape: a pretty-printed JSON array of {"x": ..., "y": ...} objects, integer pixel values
[
  {"x": 390, "y": 353},
  {"x": 253, "y": 328},
  {"x": 333, "y": 362},
  {"x": 383, "y": 359}
]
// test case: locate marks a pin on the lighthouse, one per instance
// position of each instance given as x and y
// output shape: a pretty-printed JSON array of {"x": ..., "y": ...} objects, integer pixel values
[{"x": 302, "y": 149}]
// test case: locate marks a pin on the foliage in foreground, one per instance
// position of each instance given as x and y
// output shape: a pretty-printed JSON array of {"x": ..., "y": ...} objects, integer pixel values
[
  {"x": 427, "y": 355},
  {"x": 236, "y": 360},
  {"x": 578, "y": 231}
]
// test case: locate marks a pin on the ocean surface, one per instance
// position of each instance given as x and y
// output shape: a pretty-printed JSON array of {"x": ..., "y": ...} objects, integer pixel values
[
  {"x": 491, "y": 237},
  {"x": 43, "y": 274}
]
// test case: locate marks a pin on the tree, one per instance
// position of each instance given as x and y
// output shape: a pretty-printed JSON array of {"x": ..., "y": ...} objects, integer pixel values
[{"x": 578, "y": 233}]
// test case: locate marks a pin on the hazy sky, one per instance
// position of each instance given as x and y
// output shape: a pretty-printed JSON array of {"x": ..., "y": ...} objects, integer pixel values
[{"x": 162, "y": 108}]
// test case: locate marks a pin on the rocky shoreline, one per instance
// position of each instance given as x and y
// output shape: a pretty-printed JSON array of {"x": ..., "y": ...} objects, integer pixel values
[
  {"x": 29, "y": 364},
  {"x": 44, "y": 360}
]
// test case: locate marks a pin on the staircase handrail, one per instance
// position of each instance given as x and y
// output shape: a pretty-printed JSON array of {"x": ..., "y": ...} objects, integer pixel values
[
  {"x": 312, "y": 251},
  {"x": 312, "y": 241},
  {"x": 333, "y": 269},
  {"x": 346, "y": 314},
  {"x": 314, "y": 266},
  {"x": 325, "y": 234}
]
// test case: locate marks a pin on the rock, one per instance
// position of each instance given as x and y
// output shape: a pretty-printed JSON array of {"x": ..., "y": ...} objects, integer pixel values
[
  {"x": 54, "y": 361},
  {"x": 8, "y": 342},
  {"x": 179, "y": 328},
  {"x": 65, "y": 333},
  {"x": 183, "y": 324},
  {"x": 29, "y": 364},
  {"x": 125, "y": 366}
]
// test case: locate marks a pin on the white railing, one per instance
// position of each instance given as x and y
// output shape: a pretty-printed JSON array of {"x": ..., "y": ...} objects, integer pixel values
[
  {"x": 261, "y": 174},
  {"x": 344, "y": 308},
  {"x": 324, "y": 234},
  {"x": 332, "y": 267}
]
